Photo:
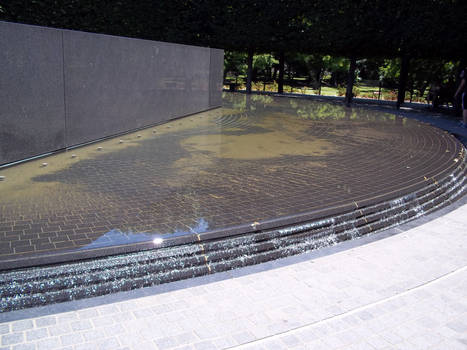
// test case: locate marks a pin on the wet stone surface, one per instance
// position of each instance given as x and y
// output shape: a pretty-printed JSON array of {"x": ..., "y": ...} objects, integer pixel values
[{"x": 255, "y": 159}]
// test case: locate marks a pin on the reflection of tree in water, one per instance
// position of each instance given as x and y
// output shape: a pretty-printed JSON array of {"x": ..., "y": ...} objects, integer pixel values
[
  {"x": 234, "y": 167},
  {"x": 317, "y": 111},
  {"x": 235, "y": 101},
  {"x": 265, "y": 99}
]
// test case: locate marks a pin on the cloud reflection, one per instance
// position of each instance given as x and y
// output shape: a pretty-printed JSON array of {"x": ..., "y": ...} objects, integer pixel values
[{"x": 116, "y": 237}]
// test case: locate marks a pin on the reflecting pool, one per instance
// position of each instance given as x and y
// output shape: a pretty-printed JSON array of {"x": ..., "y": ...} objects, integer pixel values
[{"x": 257, "y": 158}]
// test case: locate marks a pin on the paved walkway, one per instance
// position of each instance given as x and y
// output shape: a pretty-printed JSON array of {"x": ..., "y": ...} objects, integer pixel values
[{"x": 400, "y": 289}]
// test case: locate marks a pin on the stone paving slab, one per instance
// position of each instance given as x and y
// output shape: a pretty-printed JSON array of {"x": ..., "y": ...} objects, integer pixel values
[{"x": 406, "y": 291}]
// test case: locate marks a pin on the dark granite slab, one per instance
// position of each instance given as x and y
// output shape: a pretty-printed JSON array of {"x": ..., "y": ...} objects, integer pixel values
[
  {"x": 62, "y": 88},
  {"x": 31, "y": 91},
  {"x": 115, "y": 84}
]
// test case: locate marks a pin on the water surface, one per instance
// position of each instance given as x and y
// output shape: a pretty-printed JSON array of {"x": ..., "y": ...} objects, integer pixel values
[{"x": 257, "y": 158}]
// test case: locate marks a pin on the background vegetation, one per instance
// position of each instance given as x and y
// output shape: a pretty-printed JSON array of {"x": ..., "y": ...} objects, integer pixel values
[
  {"x": 308, "y": 45},
  {"x": 327, "y": 75}
]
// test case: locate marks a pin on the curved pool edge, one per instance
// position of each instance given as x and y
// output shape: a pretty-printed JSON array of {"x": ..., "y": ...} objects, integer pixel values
[
  {"x": 195, "y": 255},
  {"x": 423, "y": 185}
]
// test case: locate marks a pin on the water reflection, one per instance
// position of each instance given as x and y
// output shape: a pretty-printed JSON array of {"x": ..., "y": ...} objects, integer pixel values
[
  {"x": 258, "y": 158},
  {"x": 116, "y": 237},
  {"x": 303, "y": 108}
]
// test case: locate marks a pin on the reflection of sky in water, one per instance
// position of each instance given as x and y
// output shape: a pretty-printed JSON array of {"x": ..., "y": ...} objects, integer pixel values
[
  {"x": 117, "y": 237},
  {"x": 256, "y": 159}
]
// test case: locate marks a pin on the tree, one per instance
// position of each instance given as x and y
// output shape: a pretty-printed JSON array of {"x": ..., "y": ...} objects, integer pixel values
[
  {"x": 235, "y": 63},
  {"x": 336, "y": 69},
  {"x": 263, "y": 65},
  {"x": 249, "y": 62},
  {"x": 345, "y": 28},
  {"x": 280, "y": 84}
]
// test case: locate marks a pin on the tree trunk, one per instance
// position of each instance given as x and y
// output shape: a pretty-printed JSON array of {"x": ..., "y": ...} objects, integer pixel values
[
  {"x": 422, "y": 90},
  {"x": 249, "y": 71},
  {"x": 460, "y": 67},
  {"x": 274, "y": 72},
  {"x": 280, "y": 83},
  {"x": 404, "y": 74},
  {"x": 350, "y": 81},
  {"x": 319, "y": 80}
]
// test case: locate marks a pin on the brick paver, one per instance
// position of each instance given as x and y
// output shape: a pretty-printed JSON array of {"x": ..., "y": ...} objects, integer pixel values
[
  {"x": 255, "y": 159},
  {"x": 406, "y": 291}
]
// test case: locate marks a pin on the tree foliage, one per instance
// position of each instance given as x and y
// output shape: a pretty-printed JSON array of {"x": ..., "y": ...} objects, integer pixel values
[{"x": 361, "y": 28}]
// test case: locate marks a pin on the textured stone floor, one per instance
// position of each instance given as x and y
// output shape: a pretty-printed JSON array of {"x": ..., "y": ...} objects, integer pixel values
[
  {"x": 405, "y": 291},
  {"x": 255, "y": 159}
]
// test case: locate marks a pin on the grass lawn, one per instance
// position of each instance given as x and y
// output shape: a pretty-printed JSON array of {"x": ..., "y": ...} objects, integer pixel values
[{"x": 362, "y": 89}]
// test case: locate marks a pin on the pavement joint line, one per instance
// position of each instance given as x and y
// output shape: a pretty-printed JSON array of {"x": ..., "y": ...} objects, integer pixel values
[{"x": 353, "y": 311}]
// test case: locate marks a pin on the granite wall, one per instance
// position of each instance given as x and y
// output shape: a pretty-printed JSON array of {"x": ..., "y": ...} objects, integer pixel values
[
  {"x": 32, "y": 108},
  {"x": 216, "y": 77},
  {"x": 61, "y": 88}
]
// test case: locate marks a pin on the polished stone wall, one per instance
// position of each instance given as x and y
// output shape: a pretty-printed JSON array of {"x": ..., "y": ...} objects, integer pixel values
[
  {"x": 61, "y": 88},
  {"x": 216, "y": 77},
  {"x": 115, "y": 84},
  {"x": 31, "y": 91}
]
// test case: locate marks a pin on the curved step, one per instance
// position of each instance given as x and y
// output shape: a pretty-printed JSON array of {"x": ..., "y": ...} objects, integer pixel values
[{"x": 57, "y": 283}]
